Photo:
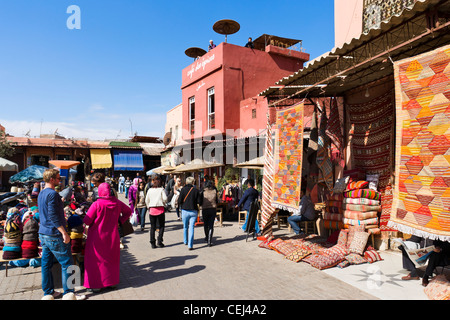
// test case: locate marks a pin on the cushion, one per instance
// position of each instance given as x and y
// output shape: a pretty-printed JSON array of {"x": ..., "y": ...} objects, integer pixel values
[
  {"x": 438, "y": 288},
  {"x": 298, "y": 255},
  {"x": 275, "y": 243},
  {"x": 363, "y": 193},
  {"x": 353, "y": 185},
  {"x": 351, "y": 233},
  {"x": 341, "y": 184},
  {"x": 359, "y": 215},
  {"x": 354, "y": 258},
  {"x": 333, "y": 237},
  {"x": 282, "y": 247},
  {"x": 324, "y": 261},
  {"x": 343, "y": 264},
  {"x": 359, "y": 242},
  {"x": 373, "y": 181},
  {"x": 265, "y": 245},
  {"x": 360, "y": 207},
  {"x": 342, "y": 239},
  {"x": 372, "y": 256},
  {"x": 365, "y": 201},
  {"x": 336, "y": 249},
  {"x": 354, "y": 222}
]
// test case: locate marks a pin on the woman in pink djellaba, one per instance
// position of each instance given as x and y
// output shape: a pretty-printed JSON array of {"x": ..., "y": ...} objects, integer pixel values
[{"x": 102, "y": 251}]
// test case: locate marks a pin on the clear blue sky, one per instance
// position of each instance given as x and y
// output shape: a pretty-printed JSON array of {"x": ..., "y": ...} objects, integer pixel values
[{"x": 121, "y": 72}]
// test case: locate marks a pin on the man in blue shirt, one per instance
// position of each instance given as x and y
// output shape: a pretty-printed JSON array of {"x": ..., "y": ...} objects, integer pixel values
[
  {"x": 54, "y": 238},
  {"x": 306, "y": 212},
  {"x": 249, "y": 196}
]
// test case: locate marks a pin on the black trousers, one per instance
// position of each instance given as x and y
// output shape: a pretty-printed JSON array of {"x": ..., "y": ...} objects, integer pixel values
[
  {"x": 209, "y": 216},
  {"x": 160, "y": 222}
]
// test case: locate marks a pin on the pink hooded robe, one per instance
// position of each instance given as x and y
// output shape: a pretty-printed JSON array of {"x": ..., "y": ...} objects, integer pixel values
[
  {"x": 132, "y": 194},
  {"x": 102, "y": 251}
]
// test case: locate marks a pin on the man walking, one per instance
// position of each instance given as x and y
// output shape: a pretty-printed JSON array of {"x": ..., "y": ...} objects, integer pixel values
[{"x": 54, "y": 238}]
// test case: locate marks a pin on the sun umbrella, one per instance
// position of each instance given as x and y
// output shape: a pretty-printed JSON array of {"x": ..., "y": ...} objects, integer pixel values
[
  {"x": 32, "y": 173},
  {"x": 6, "y": 165}
]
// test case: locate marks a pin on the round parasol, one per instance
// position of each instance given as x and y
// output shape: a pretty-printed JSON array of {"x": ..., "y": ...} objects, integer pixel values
[
  {"x": 195, "y": 52},
  {"x": 6, "y": 165},
  {"x": 226, "y": 27},
  {"x": 64, "y": 164}
]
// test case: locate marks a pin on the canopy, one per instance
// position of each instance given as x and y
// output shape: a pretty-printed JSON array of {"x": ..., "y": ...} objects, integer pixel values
[
  {"x": 32, "y": 173},
  {"x": 64, "y": 164},
  {"x": 160, "y": 170},
  {"x": 128, "y": 160},
  {"x": 6, "y": 165},
  {"x": 257, "y": 163},
  {"x": 196, "y": 165},
  {"x": 101, "y": 158}
]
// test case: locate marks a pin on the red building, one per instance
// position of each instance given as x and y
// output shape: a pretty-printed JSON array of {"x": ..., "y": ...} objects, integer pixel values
[{"x": 217, "y": 86}]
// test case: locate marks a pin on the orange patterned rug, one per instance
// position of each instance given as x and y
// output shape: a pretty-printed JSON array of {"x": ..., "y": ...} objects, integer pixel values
[{"x": 421, "y": 203}]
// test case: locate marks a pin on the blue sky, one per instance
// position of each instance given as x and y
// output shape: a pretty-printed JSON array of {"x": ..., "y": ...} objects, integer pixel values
[{"x": 121, "y": 71}]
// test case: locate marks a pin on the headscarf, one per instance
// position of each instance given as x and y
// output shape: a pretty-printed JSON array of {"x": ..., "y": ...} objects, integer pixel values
[
  {"x": 136, "y": 181},
  {"x": 104, "y": 190}
]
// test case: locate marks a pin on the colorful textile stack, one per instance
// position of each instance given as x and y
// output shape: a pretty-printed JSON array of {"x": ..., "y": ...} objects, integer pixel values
[
  {"x": 361, "y": 206},
  {"x": 12, "y": 236},
  {"x": 332, "y": 217},
  {"x": 76, "y": 229},
  {"x": 30, "y": 241}
]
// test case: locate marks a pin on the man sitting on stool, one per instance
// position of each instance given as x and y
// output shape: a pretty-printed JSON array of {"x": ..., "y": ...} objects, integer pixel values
[{"x": 306, "y": 212}]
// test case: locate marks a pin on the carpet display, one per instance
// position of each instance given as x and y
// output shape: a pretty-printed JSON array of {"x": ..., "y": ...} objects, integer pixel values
[
  {"x": 371, "y": 140},
  {"x": 288, "y": 154},
  {"x": 323, "y": 154},
  {"x": 267, "y": 211},
  {"x": 421, "y": 200}
]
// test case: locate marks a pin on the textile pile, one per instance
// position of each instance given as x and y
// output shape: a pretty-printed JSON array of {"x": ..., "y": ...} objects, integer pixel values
[
  {"x": 30, "y": 241},
  {"x": 76, "y": 232},
  {"x": 12, "y": 237},
  {"x": 343, "y": 248}
]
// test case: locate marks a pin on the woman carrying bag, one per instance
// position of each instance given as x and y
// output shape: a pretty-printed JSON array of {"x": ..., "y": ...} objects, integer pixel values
[{"x": 155, "y": 200}]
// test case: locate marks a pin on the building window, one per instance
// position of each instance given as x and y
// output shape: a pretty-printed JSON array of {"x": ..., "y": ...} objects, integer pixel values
[
  {"x": 192, "y": 115},
  {"x": 253, "y": 113},
  {"x": 211, "y": 109},
  {"x": 176, "y": 133}
]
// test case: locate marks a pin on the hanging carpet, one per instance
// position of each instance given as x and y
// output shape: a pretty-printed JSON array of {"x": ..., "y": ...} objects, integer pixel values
[
  {"x": 421, "y": 204},
  {"x": 288, "y": 154}
]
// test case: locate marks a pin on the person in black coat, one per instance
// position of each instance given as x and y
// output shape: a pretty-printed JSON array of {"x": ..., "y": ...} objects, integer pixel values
[{"x": 250, "y": 195}]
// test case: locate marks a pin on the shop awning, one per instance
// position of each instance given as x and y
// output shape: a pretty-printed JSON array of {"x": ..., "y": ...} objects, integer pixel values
[
  {"x": 101, "y": 158},
  {"x": 128, "y": 160},
  {"x": 257, "y": 163},
  {"x": 196, "y": 166},
  {"x": 161, "y": 170}
]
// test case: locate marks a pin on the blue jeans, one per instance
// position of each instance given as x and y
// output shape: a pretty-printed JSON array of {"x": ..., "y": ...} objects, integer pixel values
[
  {"x": 189, "y": 218},
  {"x": 54, "y": 246},
  {"x": 121, "y": 187},
  {"x": 142, "y": 212},
  {"x": 244, "y": 226},
  {"x": 294, "y": 221}
]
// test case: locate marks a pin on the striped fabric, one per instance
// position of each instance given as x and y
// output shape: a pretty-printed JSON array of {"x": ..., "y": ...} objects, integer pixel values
[
  {"x": 360, "y": 207},
  {"x": 363, "y": 193},
  {"x": 267, "y": 211},
  {"x": 365, "y": 201},
  {"x": 358, "y": 215},
  {"x": 323, "y": 159},
  {"x": 332, "y": 216},
  {"x": 354, "y": 222}
]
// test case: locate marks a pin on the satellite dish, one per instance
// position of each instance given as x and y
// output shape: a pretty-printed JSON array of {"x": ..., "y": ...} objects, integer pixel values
[
  {"x": 167, "y": 138},
  {"x": 226, "y": 27},
  {"x": 195, "y": 52}
]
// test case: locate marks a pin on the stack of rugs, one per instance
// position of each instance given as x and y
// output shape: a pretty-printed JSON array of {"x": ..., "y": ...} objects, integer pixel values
[
  {"x": 12, "y": 238},
  {"x": 332, "y": 216},
  {"x": 361, "y": 205},
  {"x": 351, "y": 247},
  {"x": 30, "y": 241},
  {"x": 76, "y": 230}
]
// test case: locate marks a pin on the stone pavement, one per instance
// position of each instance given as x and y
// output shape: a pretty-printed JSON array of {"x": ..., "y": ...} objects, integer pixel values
[{"x": 232, "y": 269}]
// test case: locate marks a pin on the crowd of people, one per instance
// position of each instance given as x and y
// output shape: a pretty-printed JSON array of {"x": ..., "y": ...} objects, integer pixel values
[{"x": 105, "y": 214}]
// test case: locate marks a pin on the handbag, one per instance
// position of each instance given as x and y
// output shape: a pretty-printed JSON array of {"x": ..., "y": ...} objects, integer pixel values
[{"x": 126, "y": 228}]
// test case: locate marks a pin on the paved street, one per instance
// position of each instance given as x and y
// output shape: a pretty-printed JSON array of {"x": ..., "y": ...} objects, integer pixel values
[{"x": 232, "y": 269}]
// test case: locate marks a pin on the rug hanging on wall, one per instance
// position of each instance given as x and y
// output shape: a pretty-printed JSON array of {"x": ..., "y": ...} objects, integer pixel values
[
  {"x": 421, "y": 203},
  {"x": 372, "y": 142},
  {"x": 267, "y": 211},
  {"x": 288, "y": 151}
]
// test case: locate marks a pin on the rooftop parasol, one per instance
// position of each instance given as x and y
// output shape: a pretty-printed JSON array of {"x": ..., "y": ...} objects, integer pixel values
[{"x": 226, "y": 27}]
